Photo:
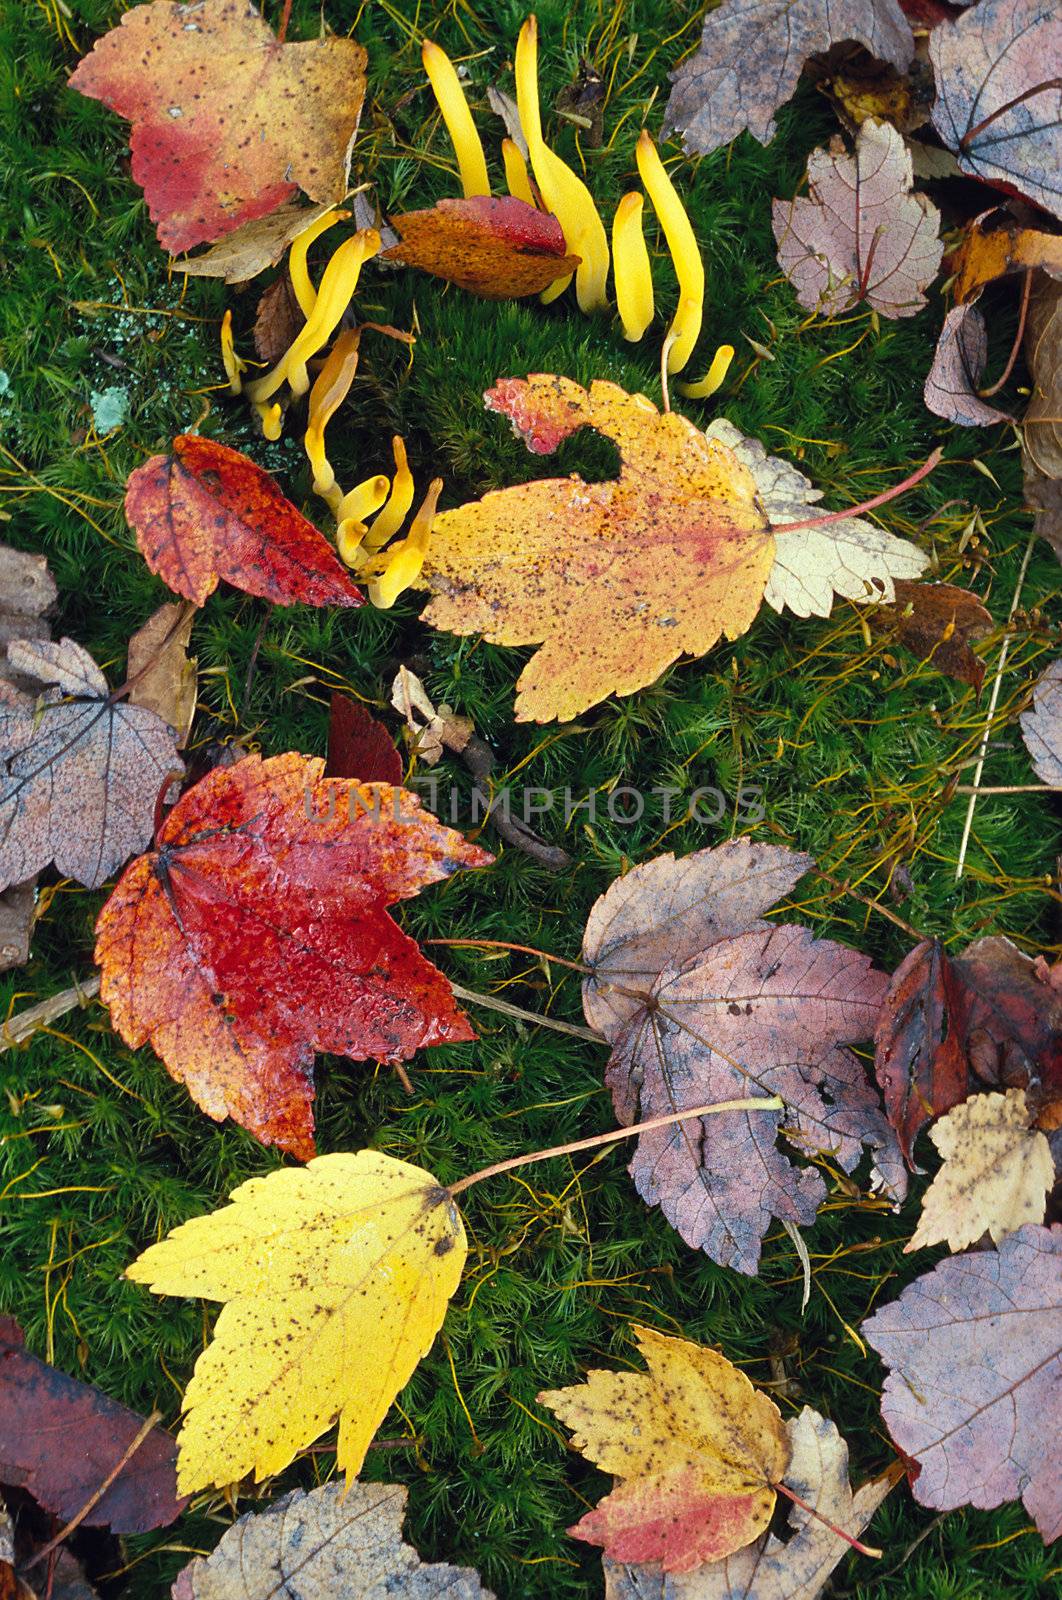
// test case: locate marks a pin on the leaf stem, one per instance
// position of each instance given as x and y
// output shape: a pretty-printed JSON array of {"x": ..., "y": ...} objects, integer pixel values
[
  {"x": 868, "y": 505},
  {"x": 994, "y": 388},
  {"x": 757, "y": 1103},
  {"x": 986, "y": 122},
  {"x": 507, "y": 1009},
  {"x": 504, "y": 944},
  {"x": 857, "y": 1544}
]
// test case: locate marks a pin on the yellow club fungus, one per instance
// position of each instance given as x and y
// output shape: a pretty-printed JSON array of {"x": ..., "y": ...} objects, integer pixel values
[
  {"x": 516, "y": 177},
  {"x": 396, "y": 507},
  {"x": 713, "y": 378},
  {"x": 446, "y": 85},
  {"x": 330, "y": 389},
  {"x": 689, "y": 268},
  {"x": 338, "y": 283},
  {"x": 298, "y": 270},
  {"x": 630, "y": 267},
  {"x": 396, "y": 569},
  {"x": 270, "y": 417}
]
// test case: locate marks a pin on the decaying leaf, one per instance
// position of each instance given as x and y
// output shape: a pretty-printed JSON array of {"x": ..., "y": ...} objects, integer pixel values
[
  {"x": 499, "y": 248},
  {"x": 938, "y": 622},
  {"x": 277, "y": 320},
  {"x": 358, "y": 745},
  {"x": 1042, "y": 430},
  {"x": 162, "y": 678},
  {"x": 975, "y": 1390},
  {"x": 853, "y": 557},
  {"x": 432, "y": 731},
  {"x": 228, "y": 124},
  {"x": 997, "y": 1172},
  {"x": 60, "y": 1440},
  {"x": 748, "y": 1007},
  {"x": 330, "y": 1544},
  {"x": 990, "y": 1018},
  {"x": 958, "y": 367},
  {"x": 81, "y": 771},
  {"x": 257, "y": 933},
  {"x": 334, "y": 1279},
  {"x": 697, "y": 1450},
  {"x": 205, "y": 513},
  {"x": 752, "y": 53},
  {"x": 1041, "y": 728},
  {"x": 770, "y": 1569},
  {"x": 996, "y": 244},
  {"x": 862, "y": 235},
  {"x": 614, "y": 580},
  {"x": 255, "y": 246},
  {"x": 999, "y": 104}
]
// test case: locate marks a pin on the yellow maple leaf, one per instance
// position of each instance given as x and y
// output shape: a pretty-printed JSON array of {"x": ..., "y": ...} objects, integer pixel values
[
  {"x": 698, "y": 1449},
  {"x": 335, "y": 1279},
  {"x": 614, "y": 580}
]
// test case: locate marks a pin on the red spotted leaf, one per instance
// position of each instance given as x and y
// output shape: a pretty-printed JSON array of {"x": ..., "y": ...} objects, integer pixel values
[
  {"x": 499, "y": 248},
  {"x": 60, "y": 1439},
  {"x": 205, "y": 513},
  {"x": 257, "y": 933},
  {"x": 359, "y": 746},
  {"x": 228, "y": 123}
]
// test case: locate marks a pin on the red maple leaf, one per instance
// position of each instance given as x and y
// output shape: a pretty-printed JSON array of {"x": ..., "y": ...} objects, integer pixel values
[
  {"x": 257, "y": 933},
  {"x": 206, "y": 512}
]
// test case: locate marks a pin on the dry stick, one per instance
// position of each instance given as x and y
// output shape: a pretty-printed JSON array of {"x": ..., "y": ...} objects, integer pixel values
[
  {"x": 993, "y": 702},
  {"x": 505, "y": 944},
  {"x": 1007, "y": 788},
  {"x": 97, "y": 1494},
  {"x": 507, "y": 1009},
  {"x": 868, "y": 505},
  {"x": 872, "y": 905},
  {"x": 18, "y": 1029},
  {"x": 756, "y": 1103}
]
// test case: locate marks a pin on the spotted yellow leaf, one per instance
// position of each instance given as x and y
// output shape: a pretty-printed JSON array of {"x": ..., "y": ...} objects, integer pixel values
[{"x": 334, "y": 1278}]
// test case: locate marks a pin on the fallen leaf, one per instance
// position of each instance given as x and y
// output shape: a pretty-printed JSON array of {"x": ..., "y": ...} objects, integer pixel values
[
  {"x": 228, "y": 124},
  {"x": 81, "y": 771},
  {"x": 255, "y": 246},
  {"x": 256, "y": 933},
  {"x": 930, "y": 162},
  {"x": 206, "y": 513},
  {"x": 770, "y": 1569},
  {"x": 751, "y": 55},
  {"x": 996, "y": 1174},
  {"x": 1042, "y": 429},
  {"x": 334, "y": 1279},
  {"x": 863, "y": 89},
  {"x": 330, "y": 1544},
  {"x": 750, "y": 1007},
  {"x": 698, "y": 1451},
  {"x": 614, "y": 580},
  {"x": 162, "y": 678},
  {"x": 975, "y": 1348},
  {"x": 852, "y": 557},
  {"x": 862, "y": 236},
  {"x": 59, "y": 1440},
  {"x": 938, "y": 622},
  {"x": 987, "y": 65},
  {"x": 991, "y": 1017},
  {"x": 27, "y": 593},
  {"x": 359, "y": 746},
  {"x": 499, "y": 248},
  {"x": 958, "y": 367},
  {"x": 433, "y": 731},
  {"x": 995, "y": 244},
  {"x": 1041, "y": 728},
  {"x": 277, "y": 320}
]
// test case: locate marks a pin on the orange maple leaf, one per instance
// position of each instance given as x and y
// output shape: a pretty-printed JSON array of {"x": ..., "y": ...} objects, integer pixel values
[{"x": 614, "y": 580}]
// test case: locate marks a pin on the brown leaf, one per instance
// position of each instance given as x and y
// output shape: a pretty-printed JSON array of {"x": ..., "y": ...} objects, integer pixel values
[
  {"x": 986, "y": 65},
  {"x": 432, "y": 731},
  {"x": 751, "y": 55},
  {"x": 163, "y": 679},
  {"x": 1042, "y": 431},
  {"x": 502, "y": 249},
  {"x": 358, "y": 745},
  {"x": 255, "y": 247},
  {"x": 995, "y": 244},
  {"x": 277, "y": 320},
  {"x": 1041, "y": 728},
  {"x": 975, "y": 1391},
  {"x": 327, "y": 1544},
  {"x": 227, "y": 122},
  {"x": 862, "y": 235},
  {"x": 958, "y": 367},
  {"x": 938, "y": 622}
]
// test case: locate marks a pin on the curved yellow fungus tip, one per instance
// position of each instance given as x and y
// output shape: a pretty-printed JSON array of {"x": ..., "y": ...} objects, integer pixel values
[
  {"x": 398, "y": 502},
  {"x": 516, "y": 179},
  {"x": 446, "y": 85},
  {"x": 713, "y": 379},
  {"x": 330, "y": 389},
  {"x": 349, "y": 536},
  {"x": 270, "y": 418},
  {"x": 338, "y": 283},
  {"x": 298, "y": 271},
  {"x": 689, "y": 268},
  {"x": 402, "y": 564},
  {"x": 365, "y": 498},
  {"x": 232, "y": 363},
  {"x": 630, "y": 267},
  {"x": 563, "y": 193}
]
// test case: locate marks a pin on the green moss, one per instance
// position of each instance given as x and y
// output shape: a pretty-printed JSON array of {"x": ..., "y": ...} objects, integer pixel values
[{"x": 853, "y": 744}]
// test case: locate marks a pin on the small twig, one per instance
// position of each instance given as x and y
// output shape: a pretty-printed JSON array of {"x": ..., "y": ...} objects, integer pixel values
[
  {"x": 97, "y": 1494},
  {"x": 509, "y": 1010},
  {"x": 857, "y": 1544},
  {"x": 478, "y": 757},
  {"x": 872, "y": 905},
  {"x": 16, "y": 1030},
  {"x": 757, "y": 1103},
  {"x": 1006, "y": 788},
  {"x": 247, "y": 682},
  {"x": 504, "y": 944},
  {"x": 994, "y": 388},
  {"x": 868, "y": 505}
]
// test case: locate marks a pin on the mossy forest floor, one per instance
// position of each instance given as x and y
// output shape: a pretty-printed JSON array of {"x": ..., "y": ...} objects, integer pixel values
[{"x": 852, "y": 741}]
